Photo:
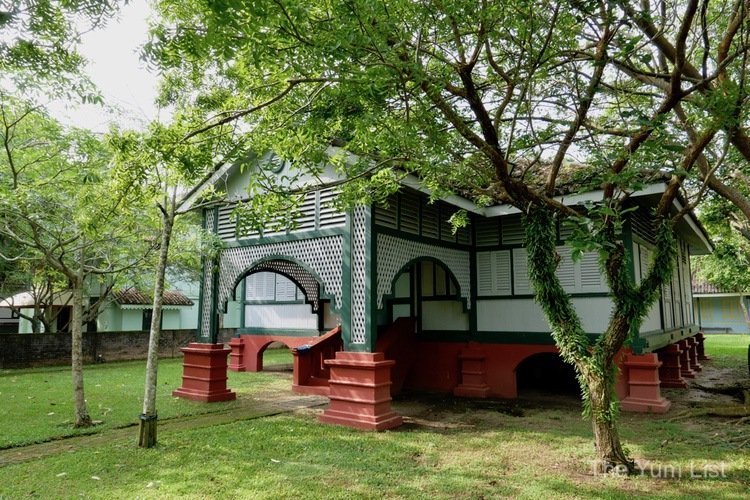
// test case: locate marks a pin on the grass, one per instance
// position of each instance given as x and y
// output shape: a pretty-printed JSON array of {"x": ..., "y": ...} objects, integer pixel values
[
  {"x": 480, "y": 454},
  {"x": 42, "y": 398},
  {"x": 727, "y": 350},
  {"x": 447, "y": 449}
]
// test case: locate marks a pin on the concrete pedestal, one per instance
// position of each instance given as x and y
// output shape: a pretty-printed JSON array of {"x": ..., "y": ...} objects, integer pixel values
[
  {"x": 700, "y": 338},
  {"x": 360, "y": 392},
  {"x": 473, "y": 377},
  {"x": 644, "y": 390},
  {"x": 685, "y": 370},
  {"x": 693, "y": 354},
  {"x": 237, "y": 356},
  {"x": 669, "y": 371},
  {"x": 204, "y": 373}
]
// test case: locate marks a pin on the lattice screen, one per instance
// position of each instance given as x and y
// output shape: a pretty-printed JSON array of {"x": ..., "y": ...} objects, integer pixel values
[
  {"x": 204, "y": 329},
  {"x": 359, "y": 270},
  {"x": 321, "y": 255},
  {"x": 394, "y": 253},
  {"x": 297, "y": 273}
]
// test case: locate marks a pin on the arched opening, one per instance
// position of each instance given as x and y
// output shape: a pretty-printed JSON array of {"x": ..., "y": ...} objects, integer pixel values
[
  {"x": 277, "y": 357},
  {"x": 427, "y": 290},
  {"x": 279, "y": 297},
  {"x": 546, "y": 373}
]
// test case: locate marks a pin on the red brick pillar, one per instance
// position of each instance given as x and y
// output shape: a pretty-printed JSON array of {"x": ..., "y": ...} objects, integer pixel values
[
  {"x": 700, "y": 339},
  {"x": 204, "y": 375},
  {"x": 237, "y": 356},
  {"x": 693, "y": 355},
  {"x": 473, "y": 382},
  {"x": 360, "y": 392},
  {"x": 685, "y": 370},
  {"x": 644, "y": 392},
  {"x": 669, "y": 371}
]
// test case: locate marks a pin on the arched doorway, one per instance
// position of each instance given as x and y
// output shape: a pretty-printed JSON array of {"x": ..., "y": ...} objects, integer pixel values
[
  {"x": 425, "y": 289},
  {"x": 546, "y": 373}
]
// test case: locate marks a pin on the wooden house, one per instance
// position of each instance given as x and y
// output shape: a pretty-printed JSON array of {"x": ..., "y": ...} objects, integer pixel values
[{"x": 388, "y": 297}]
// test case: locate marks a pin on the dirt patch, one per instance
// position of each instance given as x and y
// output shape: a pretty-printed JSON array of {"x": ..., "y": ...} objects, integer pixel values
[{"x": 712, "y": 386}]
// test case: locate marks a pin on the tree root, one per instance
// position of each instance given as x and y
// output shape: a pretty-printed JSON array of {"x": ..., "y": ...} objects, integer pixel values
[
  {"x": 742, "y": 411},
  {"x": 737, "y": 390}
]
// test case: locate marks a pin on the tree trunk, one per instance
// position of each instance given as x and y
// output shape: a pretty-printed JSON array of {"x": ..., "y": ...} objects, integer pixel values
[
  {"x": 82, "y": 418},
  {"x": 148, "y": 419},
  {"x": 610, "y": 456}
]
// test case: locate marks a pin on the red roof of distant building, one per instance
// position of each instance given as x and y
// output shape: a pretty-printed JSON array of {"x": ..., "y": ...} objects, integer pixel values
[{"x": 133, "y": 296}]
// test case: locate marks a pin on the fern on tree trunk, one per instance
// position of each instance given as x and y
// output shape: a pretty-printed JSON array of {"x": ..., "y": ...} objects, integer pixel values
[{"x": 595, "y": 363}]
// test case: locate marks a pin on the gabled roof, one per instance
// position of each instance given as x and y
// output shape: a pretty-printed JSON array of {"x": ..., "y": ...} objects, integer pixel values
[{"x": 569, "y": 192}]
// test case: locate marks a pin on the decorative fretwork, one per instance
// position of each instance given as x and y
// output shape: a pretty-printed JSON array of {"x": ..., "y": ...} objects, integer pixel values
[
  {"x": 298, "y": 274},
  {"x": 395, "y": 253},
  {"x": 321, "y": 255},
  {"x": 359, "y": 275}
]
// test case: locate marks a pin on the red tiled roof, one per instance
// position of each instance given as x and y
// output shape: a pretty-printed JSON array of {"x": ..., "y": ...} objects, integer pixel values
[{"x": 133, "y": 296}]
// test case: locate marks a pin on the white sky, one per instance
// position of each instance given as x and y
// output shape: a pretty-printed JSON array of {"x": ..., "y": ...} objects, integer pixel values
[{"x": 114, "y": 66}]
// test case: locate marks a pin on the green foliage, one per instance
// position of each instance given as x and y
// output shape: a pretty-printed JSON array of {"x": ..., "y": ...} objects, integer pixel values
[
  {"x": 489, "y": 100},
  {"x": 38, "y": 45},
  {"x": 57, "y": 197},
  {"x": 727, "y": 266}
]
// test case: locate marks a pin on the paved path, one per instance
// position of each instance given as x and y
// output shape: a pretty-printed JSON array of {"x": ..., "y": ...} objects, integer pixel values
[{"x": 274, "y": 405}]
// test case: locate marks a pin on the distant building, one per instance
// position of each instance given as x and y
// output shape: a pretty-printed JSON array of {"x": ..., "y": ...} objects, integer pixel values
[
  {"x": 720, "y": 310},
  {"x": 126, "y": 310}
]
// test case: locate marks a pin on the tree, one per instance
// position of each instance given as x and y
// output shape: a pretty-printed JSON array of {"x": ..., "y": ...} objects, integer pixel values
[
  {"x": 38, "y": 44},
  {"x": 162, "y": 169},
  {"x": 64, "y": 216},
  {"x": 494, "y": 100}
]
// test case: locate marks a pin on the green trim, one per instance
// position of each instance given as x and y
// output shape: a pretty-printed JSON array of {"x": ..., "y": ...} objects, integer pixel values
[
  {"x": 201, "y": 297},
  {"x": 656, "y": 339},
  {"x": 317, "y": 210},
  {"x": 422, "y": 239},
  {"x": 400, "y": 300},
  {"x": 287, "y": 332},
  {"x": 214, "y": 323},
  {"x": 473, "y": 277},
  {"x": 274, "y": 302},
  {"x": 588, "y": 295},
  {"x": 280, "y": 238},
  {"x": 242, "y": 304},
  {"x": 443, "y": 298},
  {"x": 346, "y": 284},
  {"x": 494, "y": 248},
  {"x": 487, "y": 337},
  {"x": 418, "y": 293},
  {"x": 371, "y": 264}
]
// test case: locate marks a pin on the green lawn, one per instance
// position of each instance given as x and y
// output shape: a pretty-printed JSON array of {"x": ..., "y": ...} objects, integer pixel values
[
  {"x": 543, "y": 454},
  {"x": 443, "y": 451},
  {"x": 727, "y": 351},
  {"x": 42, "y": 398}
]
